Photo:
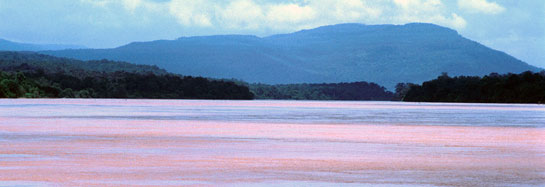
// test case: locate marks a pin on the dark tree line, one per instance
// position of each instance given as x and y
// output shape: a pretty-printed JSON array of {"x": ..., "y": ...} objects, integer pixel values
[
  {"x": 33, "y": 75},
  {"x": 117, "y": 85},
  {"x": 331, "y": 91},
  {"x": 526, "y": 87}
]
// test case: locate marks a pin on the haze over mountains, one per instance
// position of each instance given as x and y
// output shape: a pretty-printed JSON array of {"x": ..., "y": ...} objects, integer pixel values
[
  {"x": 6, "y": 45},
  {"x": 385, "y": 54}
]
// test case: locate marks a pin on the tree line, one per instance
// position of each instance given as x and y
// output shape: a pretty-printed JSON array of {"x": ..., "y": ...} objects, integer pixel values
[
  {"x": 330, "y": 91},
  {"x": 33, "y": 75},
  {"x": 526, "y": 87},
  {"x": 117, "y": 85}
]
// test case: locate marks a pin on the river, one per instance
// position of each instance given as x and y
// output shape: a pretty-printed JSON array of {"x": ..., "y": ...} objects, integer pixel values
[{"x": 108, "y": 142}]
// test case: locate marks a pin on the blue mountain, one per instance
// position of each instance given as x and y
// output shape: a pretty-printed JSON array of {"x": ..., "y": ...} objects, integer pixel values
[
  {"x": 6, "y": 45},
  {"x": 385, "y": 54}
]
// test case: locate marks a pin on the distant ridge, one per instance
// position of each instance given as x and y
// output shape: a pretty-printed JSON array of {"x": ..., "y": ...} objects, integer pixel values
[
  {"x": 6, "y": 45},
  {"x": 385, "y": 54}
]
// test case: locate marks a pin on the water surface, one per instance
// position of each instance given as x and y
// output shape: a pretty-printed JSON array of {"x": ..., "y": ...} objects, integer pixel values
[{"x": 67, "y": 142}]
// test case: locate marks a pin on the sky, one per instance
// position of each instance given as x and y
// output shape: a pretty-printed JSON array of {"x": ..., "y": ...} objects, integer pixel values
[{"x": 516, "y": 27}]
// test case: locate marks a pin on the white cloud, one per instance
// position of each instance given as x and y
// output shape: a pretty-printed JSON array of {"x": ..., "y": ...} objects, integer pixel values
[
  {"x": 419, "y": 5},
  {"x": 346, "y": 10},
  {"x": 285, "y": 16},
  {"x": 250, "y": 15},
  {"x": 129, "y": 5},
  {"x": 480, "y": 6},
  {"x": 192, "y": 12},
  {"x": 458, "y": 21},
  {"x": 431, "y": 11},
  {"x": 290, "y": 13}
]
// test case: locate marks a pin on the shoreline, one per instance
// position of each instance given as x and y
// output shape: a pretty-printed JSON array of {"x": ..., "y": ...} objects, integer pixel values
[{"x": 293, "y": 100}]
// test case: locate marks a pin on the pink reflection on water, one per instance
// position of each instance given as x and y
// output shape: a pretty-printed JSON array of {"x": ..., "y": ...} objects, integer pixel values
[
  {"x": 276, "y": 103},
  {"x": 113, "y": 152}
]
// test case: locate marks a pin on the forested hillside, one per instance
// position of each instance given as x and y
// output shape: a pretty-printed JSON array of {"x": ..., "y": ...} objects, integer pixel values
[
  {"x": 34, "y": 76},
  {"x": 25, "y": 61}
]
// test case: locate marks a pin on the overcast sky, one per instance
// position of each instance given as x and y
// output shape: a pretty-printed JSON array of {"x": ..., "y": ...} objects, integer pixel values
[{"x": 514, "y": 26}]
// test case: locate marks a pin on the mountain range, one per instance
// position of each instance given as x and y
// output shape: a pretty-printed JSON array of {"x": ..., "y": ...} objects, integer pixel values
[
  {"x": 6, "y": 45},
  {"x": 384, "y": 54}
]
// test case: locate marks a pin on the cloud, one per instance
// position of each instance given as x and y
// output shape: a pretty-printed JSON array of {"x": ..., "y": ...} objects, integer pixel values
[
  {"x": 290, "y": 13},
  {"x": 252, "y": 15},
  {"x": 129, "y": 5},
  {"x": 283, "y": 16},
  {"x": 346, "y": 10},
  {"x": 241, "y": 14},
  {"x": 431, "y": 11},
  {"x": 480, "y": 6},
  {"x": 192, "y": 12}
]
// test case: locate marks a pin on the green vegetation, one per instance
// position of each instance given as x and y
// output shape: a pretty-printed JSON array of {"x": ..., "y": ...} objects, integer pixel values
[
  {"x": 526, "y": 87},
  {"x": 17, "y": 85},
  {"x": 332, "y": 91},
  {"x": 34, "y": 76}
]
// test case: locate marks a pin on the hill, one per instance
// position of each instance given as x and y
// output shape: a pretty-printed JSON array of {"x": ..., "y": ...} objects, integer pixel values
[
  {"x": 384, "y": 54},
  {"x": 22, "y": 61},
  {"x": 35, "y": 75},
  {"x": 6, "y": 45}
]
